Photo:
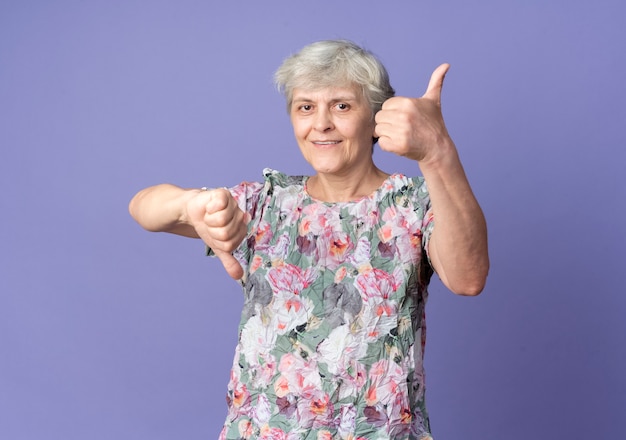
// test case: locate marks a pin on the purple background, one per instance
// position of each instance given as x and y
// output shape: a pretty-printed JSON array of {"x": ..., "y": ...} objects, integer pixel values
[{"x": 109, "y": 332}]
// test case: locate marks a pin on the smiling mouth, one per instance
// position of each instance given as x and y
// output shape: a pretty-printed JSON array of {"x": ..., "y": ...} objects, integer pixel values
[{"x": 325, "y": 142}]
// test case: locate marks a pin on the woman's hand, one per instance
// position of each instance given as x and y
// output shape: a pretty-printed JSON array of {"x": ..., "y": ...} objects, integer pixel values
[
  {"x": 211, "y": 215},
  {"x": 219, "y": 222},
  {"x": 414, "y": 127}
]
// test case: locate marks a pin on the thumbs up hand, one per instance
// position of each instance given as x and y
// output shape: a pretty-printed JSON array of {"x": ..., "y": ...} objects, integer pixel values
[{"x": 414, "y": 127}]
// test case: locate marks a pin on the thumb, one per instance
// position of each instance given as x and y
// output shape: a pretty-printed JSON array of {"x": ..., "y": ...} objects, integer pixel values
[
  {"x": 433, "y": 91},
  {"x": 230, "y": 263}
]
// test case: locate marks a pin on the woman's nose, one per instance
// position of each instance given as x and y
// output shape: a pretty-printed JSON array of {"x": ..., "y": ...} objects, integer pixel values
[{"x": 323, "y": 121}]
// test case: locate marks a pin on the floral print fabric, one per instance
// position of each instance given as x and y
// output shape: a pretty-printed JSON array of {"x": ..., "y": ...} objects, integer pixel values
[{"x": 332, "y": 331}]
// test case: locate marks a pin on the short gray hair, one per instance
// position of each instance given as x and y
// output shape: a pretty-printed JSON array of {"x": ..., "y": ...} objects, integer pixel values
[{"x": 331, "y": 63}]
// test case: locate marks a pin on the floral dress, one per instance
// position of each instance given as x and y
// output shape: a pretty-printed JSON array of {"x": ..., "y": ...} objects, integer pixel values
[{"x": 332, "y": 331}]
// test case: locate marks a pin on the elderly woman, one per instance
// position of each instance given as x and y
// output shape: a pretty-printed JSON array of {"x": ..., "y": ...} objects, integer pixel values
[{"x": 335, "y": 266}]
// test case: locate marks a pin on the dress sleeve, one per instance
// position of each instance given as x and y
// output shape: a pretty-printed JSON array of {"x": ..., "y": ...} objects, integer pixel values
[
  {"x": 428, "y": 224},
  {"x": 247, "y": 195},
  {"x": 422, "y": 198}
]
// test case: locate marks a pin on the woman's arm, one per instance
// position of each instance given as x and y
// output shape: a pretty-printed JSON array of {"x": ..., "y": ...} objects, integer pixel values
[
  {"x": 458, "y": 244},
  {"x": 414, "y": 128},
  {"x": 212, "y": 215},
  {"x": 162, "y": 208}
]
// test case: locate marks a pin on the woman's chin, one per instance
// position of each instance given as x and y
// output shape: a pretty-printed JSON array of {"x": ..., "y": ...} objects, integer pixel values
[{"x": 324, "y": 167}]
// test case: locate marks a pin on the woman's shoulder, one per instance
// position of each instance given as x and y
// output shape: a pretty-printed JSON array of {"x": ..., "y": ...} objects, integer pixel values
[
  {"x": 398, "y": 183},
  {"x": 274, "y": 178}
]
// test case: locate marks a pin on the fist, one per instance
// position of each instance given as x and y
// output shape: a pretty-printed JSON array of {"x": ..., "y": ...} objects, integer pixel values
[
  {"x": 414, "y": 127},
  {"x": 220, "y": 223}
]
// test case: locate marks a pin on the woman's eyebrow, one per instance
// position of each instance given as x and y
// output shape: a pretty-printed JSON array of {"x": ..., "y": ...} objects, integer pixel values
[{"x": 334, "y": 99}]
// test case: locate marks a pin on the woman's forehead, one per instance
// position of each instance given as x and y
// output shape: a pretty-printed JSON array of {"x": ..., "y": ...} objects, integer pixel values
[{"x": 348, "y": 92}]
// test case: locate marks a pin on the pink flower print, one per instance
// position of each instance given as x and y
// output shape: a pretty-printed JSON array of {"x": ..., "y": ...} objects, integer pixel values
[
  {"x": 244, "y": 194},
  {"x": 340, "y": 274},
  {"x": 315, "y": 409},
  {"x": 385, "y": 308},
  {"x": 297, "y": 375},
  {"x": 304, "y": 228},
  {"x": 361, "y": 256},
  {"x": 335, "y": 246},
  {"x": 390, "y": 215},
  {"x": 278, "y": 252},
  {"x": 287, "y": 362},
  {"x": 313, "y": 220},
  {"x": 405, "y": 416},
  {"x": 354, "y": 379},
  {"x": 403, "y": 227},
  {"x": 290, "y": 311},
  {"x": 257, "y": 262},
  {"x": 241, "y": 396},
  {"x": 268, "y": 433},
  {"x": 352, "y": 376},
  {"x": 371, "y": 396},
  {"x": 376, "y": 283},
  {"x": 415, "y": 235},
  {"x": 281, "y": 387},
  {"x": 378, "y": 289},
  {"x": 266, "y": 370},
  {"x": 320, "y": 404},
  {"x": 374, "y": 325},
  {"x": 347, "y": 421},
  {"x": 333, "y": 220},
  {"x": 293, "y": 304},
  {"x": 318, "y": 218},
  {"x": 392, "y": 226},
  {"x": 339, "y": 244},
  {"x": 364, "y": 215},
  {"x": 262, "y": 411},
  {"x": 246, "y": 429},
  {"x": 400, "y": 418},
  {"x": 324, "y": 435},
  {"x": 290, "y": 278},
  {"x": 262, "y": 235},
  {"x": 409, "y": 243},
  {"x": 386, "y": 233},
  {"x": 385, "y": 387}
]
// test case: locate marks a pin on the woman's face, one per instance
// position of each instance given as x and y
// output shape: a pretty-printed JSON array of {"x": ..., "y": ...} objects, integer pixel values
[{"x": 334, "y": 128}]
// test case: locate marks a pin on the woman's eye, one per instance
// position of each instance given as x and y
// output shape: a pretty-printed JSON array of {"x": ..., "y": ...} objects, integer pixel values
[
  {"x": 306, "y": 107},
  {"x": 343, "y": 106}
]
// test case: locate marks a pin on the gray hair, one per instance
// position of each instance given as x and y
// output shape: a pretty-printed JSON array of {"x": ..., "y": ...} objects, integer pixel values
[{"x": 333, "y": 63}]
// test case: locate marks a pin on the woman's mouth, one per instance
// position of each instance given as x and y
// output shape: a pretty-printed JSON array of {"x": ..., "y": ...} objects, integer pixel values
[{"x": 324, "y": 143}]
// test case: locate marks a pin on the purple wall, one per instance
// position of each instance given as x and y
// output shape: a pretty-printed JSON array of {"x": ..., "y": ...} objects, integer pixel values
[{"x": 109, "y": 332}]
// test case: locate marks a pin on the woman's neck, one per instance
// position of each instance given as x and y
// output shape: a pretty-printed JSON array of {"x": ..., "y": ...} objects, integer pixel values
[{"x": 345, "y": 188}]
